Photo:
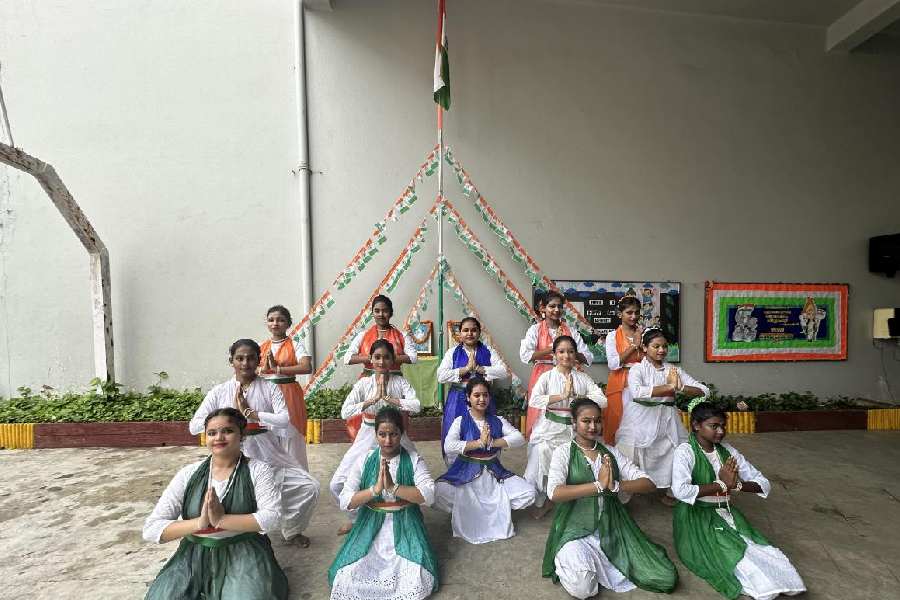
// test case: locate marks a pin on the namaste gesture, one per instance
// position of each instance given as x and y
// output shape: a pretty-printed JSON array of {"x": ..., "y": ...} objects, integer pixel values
[
  {"x": 569, "y": 389},
  {"x": 240, "y": 403},
  {"x": 486, "y": 440},
  {"x": 729, "y": 473},
  {"x": 674, "y": 379},
  {"x": 605, "y": 477}
]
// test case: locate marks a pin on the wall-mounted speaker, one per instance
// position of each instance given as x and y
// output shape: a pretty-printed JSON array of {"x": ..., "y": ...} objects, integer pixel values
[{"x": 884, "y": 254}]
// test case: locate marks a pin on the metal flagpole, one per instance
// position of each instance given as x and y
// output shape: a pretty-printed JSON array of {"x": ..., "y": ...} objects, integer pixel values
[{"x": 440, "y": 223}]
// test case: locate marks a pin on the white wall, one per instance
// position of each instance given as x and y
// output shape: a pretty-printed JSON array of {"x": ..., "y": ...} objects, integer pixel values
[{"x": 615, "y": 143}]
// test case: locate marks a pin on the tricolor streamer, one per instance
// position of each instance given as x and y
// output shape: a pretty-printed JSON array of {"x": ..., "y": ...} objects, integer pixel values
[
  {"x": 327, "y": 368},
  {"x": 511, "y": 243}
]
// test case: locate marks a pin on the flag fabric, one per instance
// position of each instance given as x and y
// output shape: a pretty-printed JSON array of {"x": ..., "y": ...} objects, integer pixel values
[{"x": 442, "y": 62}]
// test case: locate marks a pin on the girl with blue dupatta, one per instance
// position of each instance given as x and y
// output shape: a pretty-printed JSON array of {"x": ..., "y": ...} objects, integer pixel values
[
  {"x": 386, "y": 555},
  {"x": 469, "y": 359},
  {"x": 713, "y": 538},
  {"x": 219, "y": 508},
  {"x": 593, "y": 541},
  {"x": 478, "y": 492}
]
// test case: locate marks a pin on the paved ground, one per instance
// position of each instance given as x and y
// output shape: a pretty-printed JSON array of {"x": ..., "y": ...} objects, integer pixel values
[{"x": 71, "y": 522}]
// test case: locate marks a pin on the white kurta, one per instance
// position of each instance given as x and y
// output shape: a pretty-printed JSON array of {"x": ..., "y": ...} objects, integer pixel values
[
  {"x": 299, "y": 490},
  {"x": 581, "y": 565},
  {"x": 409, "y": 347},
  {"x": 295, "y": 445},
  {"x": 481, "y": 510},
  {"x": 529, "y": 344},
  {"x": 547, "y": 435},
  {"x": 614, "y": 363},
  {"x": 447, "y": 374},
  {"x": 648, "y": 435},
  {"x": 168, "y": 508},
  {"x": 397, "y": 387},
  {"x": 382, "y": 574},
  {"x": 765, "y": 571}
]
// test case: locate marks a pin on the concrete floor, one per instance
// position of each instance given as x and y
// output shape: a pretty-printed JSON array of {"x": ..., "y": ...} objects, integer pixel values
[{"x": 72, "y": 520}]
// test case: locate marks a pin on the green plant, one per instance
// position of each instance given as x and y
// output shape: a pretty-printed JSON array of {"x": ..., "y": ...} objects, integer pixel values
[
  {"x": 326, "y": 403},
  {"x": 787, "y": 401}
]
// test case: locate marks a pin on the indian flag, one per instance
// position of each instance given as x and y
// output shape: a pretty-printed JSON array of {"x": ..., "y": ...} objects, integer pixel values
[{"x": 442, "y": 62}]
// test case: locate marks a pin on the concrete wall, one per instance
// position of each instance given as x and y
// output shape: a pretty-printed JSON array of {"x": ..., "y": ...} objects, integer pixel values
[{"x": 616, "y": 144}]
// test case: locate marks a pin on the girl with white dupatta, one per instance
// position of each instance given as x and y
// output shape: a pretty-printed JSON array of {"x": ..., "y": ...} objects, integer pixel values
[
  {"x": 478, "y": 492},
  {"x": 651, "y": 427},
  {"x": 713, "y": 538},
  {"x": 369, "y": 394},
  {"x": 552, "y": 395},
  {"x": 387, "y": 555},
  {"x": 262, "y": 404}
]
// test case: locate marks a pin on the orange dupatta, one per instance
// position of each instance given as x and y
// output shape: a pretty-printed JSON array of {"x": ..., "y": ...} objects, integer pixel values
[
  {"x": 618, "y": 379},
  {"x": 544, "y": 341},
  {"x": 292, "y": 392}
]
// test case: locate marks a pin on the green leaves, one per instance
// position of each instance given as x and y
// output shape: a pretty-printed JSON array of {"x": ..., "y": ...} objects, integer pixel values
[
  {"x": 101, "y": 401},
  {"x": 776, "y": 402}
]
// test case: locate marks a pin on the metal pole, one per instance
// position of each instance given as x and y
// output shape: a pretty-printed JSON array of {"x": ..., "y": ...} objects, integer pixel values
[{"x": 440, "y": 228}]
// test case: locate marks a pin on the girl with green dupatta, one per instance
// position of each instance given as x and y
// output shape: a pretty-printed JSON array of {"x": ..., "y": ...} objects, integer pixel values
[
  {"x": 593, "y": 541},
  {"x": 218, "y": 508},
  {"x": 712, "y": 537},
  {"x": 386, "y": 555}
]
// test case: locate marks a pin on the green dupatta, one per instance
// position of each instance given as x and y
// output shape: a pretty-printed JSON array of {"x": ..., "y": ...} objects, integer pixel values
[
  {"x": 644, "y": 563},
  {"x": 201, "y": 567},
  {"x": 705, "y": 543},
  {"x": 410, "y": 539}
]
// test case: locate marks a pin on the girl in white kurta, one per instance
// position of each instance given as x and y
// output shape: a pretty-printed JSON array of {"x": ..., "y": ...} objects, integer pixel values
[
  {"x": 368, "y": 395},
  {"x": 263, "y": 405},
  {"x": 386, "y": 485},
  {"x": 478, "y": 492},
  {"x": 552, "y": 395},
  {"x": 220, "y": 509},
  {"x": 593, "y": 542},
  {"x": 651, "y": 427},
  {"x": 712, "y": 536}
]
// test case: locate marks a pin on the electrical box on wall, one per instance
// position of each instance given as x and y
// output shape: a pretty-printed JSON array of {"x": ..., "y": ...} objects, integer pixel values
[{"x": 886, "y": 324}]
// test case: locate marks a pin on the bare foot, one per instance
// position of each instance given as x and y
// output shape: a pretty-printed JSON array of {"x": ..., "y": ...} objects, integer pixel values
[
  {"x": 345, "y": 528},
  {"x": 299, "y": 540},
  {"x": 537, "y": 512},
  {"x": 667, "y": 500}
]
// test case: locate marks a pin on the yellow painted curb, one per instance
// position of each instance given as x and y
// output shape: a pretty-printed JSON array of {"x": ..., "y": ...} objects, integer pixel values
[
  {"x": 202, "y": 438},
  {"x": 314, "y": 431},
  {"x": 17, "y": 436},
  {"x": 522, "y": 421},
  {"x": 738, "y": 421},
  {"x": 883, "y": 419}
]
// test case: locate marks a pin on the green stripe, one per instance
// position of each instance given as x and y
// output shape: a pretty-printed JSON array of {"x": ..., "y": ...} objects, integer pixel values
[
  {"x": 219, "y": 542},
  {"x": 284, "y": 379},
  {"x": 476, "y": 460},
  {"x": 558, "y": 418},
  {"x": 651, "y": 403}
]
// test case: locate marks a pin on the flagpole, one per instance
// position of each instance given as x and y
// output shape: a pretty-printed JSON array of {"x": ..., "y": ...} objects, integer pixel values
[{"x": 440, "y": 224}]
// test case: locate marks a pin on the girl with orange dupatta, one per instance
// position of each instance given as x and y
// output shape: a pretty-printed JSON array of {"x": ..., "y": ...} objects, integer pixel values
[
  {"x": 537, "y": 347},
  {"x": 404, "y": 348},
  {"x": 623, "y": 351},
  {"x": 282, "y": 360}
]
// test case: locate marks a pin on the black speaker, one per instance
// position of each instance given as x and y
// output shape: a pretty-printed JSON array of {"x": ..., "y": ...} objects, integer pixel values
[
  {"x": 884, "y": 254},
  {"x": 894, "y": 324}
]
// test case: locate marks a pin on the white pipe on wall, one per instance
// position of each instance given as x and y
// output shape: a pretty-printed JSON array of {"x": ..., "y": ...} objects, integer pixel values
[{"x": 303, "y": 173}]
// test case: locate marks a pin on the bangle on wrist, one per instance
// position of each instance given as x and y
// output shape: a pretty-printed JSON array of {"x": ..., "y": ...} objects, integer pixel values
[
  {"x": 615, "y": 487},
  {"x": 721, "y": 485},
  {"x": 738, "y": 486},
  {"x": 599, "y": 487}
]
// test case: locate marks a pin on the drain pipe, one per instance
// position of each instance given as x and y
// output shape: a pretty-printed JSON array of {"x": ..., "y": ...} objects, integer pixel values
[{"x": 303, "y": 172}]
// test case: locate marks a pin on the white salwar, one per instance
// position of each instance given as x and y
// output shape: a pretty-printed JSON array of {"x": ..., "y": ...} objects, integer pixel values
[
  {"x": 409, "y": 347},
  {"x": 529, "y": 344},
  {"x": 581, "y": 565},
  {"x": 168, "y": 508},
  {"x": 299, "y": 490},
  {"x": 548, "y": 435},
  {"x": 648, "y": 435},
  {"x": 295, "y": 445},
  {"x": 764, "y": 572},
  {"x": 447, "y": 374},
  {"x": 481, "y": 510},
  {"x": 363, "y": 389},
  {"x": 382, "y": 574}
]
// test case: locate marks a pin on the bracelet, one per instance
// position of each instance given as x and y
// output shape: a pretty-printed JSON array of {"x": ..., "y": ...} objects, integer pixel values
[
  {"x": 722, "y": 485},
  {"x": 247, "y": 412},
  {"x": 394, "y": 489},
  {"x": 599, "y": 487},
  {"x": 739, "y": 486},
  {"x": 615, "y": 488}
]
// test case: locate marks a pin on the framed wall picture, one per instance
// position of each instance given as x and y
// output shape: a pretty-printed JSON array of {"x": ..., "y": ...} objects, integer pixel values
[
  {"x": 598, "y": 302},
  {"x": 452, "y": 333},
  {"x": 748, "y": 322},
  {"x": 422, "y": 334}
]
